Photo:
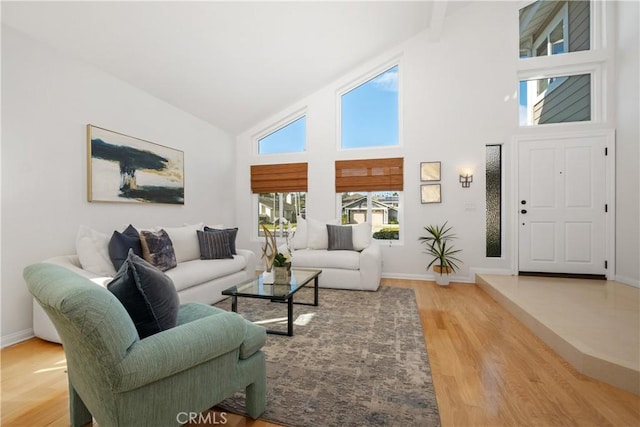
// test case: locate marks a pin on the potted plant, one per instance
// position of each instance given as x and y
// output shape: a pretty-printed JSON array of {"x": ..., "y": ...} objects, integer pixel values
[
  {"x": 439, "y": 246},
  {"x": 282, "y": 268}
]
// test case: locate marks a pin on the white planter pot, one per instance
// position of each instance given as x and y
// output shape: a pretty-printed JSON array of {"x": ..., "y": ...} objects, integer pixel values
[
  {"x": 443, "y": 275},
  {"x": 443, "y": 279}
]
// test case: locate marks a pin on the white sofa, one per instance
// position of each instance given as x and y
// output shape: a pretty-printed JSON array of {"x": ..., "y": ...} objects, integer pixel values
[
  {"x": 196, "y": 280},
  {"x": 357, "y": 269}
]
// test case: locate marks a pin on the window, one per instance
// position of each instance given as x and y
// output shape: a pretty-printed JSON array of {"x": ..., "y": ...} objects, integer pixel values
[
  {"x": 555, "y": 27},
  {"x": 369, "y": 114},
  {"x": 494, "y": 200},
  {"x": 279, "y": 212},
  {"x": 558, "y": 99},
  {"x": 551, "y": 28},
  {"x": 291, "y": 138},
  {"x": 562, "y": 88},
  {"x": 380, "y": 208},
  {"x": 280, "y": 191},
  {"x": 371, "y": 191}
]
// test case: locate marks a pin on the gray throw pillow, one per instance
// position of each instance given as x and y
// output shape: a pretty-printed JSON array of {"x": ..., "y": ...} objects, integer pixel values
[
  {"x": 340, "y": 237},
  {"x": 214, "y": 244},
  {"x": 232, "y": 233},
  {"x": 157, "y": 249},
  {"x": 147, "y": 294}
]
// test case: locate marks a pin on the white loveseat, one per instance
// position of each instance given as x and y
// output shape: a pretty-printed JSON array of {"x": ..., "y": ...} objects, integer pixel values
[
  {"x": 195, "y": 279},
  {"x": 359, "y": 268}
]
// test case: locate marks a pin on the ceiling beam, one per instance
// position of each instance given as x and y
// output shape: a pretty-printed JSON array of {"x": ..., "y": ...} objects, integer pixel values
[{"x": 438, "y": 14}]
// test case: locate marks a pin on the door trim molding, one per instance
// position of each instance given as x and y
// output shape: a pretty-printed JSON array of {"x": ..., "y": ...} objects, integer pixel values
[{"x": 610, "y": 190}]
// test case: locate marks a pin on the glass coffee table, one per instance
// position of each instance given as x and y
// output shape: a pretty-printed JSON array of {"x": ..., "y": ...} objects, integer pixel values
[{"x": 256, "y": 288}]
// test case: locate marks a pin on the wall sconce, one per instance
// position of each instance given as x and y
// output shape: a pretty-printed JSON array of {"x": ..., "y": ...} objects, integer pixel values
[{"x": 466, "y": 178}]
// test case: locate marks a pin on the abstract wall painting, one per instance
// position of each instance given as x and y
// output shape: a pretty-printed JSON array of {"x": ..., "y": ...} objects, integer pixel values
[{"x": 125, "y": 169}]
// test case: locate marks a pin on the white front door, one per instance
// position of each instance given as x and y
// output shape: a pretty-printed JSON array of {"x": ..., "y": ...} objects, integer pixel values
[{"x": 561, "y": 205}]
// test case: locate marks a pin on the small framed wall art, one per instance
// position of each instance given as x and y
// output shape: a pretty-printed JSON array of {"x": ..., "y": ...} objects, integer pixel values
[
  {"x": 430, "y": 193},
  {"x": 430, "y": 171},
  {"x": 121, "y": 168}
]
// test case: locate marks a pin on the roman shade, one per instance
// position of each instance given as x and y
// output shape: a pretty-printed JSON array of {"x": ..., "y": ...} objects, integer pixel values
[
  {"x": 370, "y": 175},
  {"x": 278, "y": 178}
]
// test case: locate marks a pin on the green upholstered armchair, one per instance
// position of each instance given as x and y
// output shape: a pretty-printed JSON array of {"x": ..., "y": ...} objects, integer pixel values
[{"x": 122, "y": 380}]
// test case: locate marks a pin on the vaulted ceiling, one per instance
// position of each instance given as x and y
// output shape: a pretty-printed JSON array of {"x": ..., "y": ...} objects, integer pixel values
[{"x": 228, "y": 63}]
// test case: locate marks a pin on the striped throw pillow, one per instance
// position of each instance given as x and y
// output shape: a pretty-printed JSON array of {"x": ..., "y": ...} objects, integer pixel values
[{"x": 214, "y": 244}]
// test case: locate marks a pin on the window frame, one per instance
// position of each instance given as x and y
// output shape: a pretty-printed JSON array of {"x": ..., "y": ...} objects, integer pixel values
[{"x": 353, "y": 84}]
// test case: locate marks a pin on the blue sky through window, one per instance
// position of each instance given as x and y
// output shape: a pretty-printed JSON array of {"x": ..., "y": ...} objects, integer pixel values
[
  {"x": 369, "y": 119},
  {"x": 524, "y": 114},
  {"x": 370, "y": 112},
  {"x": 288, "y": 139}
]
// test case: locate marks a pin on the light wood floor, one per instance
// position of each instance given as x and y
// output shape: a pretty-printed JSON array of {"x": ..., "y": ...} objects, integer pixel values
[{"x": 488, "y": 370}]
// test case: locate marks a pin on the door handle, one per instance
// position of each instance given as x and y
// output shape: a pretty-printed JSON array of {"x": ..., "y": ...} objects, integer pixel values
[
  {"x": 523, "y": 211},
  {"x": 523, "y": 202}
]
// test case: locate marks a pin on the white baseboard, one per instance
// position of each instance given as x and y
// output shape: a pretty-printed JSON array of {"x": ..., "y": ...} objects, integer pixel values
[
  {"x": 405, "y": 276},
  {"x": 426, "y": 277},
  {"x": 628, "y": 281},
  {"x": 16, "y": 337}
]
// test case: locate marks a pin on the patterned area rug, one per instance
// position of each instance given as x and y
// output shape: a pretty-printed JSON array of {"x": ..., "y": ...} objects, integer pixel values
[{"x": 358, "y": 359}]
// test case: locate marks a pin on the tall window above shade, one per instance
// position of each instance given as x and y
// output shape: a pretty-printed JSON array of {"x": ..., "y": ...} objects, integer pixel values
[
  {"x": 279, "y": 178},
  {"x": 370, "y": 175},
  {"x": 369, "y": 112},
  {"x": 290, "y": 138}
]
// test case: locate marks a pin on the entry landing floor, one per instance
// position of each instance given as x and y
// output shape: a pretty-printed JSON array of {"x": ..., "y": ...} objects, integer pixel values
[{"x": 594, "y": 325}]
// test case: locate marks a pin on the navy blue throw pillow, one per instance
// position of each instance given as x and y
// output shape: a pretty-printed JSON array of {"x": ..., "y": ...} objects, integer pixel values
[
  {"x": 147, "y": 294},
  {"x": 120, "y": 244}
]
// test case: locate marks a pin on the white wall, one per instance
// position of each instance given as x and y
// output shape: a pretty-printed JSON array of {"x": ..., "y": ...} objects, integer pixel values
[
  {"x": 47, "y": 100},
  {"x": 458, "y": 96},
  {"x": 628, "y": 143}
]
